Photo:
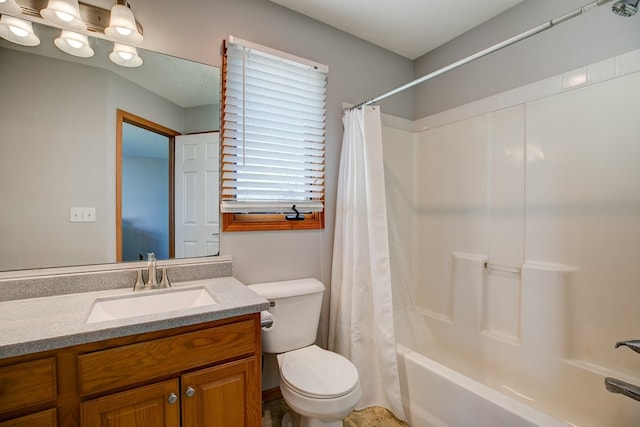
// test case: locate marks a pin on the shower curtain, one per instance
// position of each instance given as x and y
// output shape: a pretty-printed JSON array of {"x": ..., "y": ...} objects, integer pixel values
[{"x": 361, "y": 312}]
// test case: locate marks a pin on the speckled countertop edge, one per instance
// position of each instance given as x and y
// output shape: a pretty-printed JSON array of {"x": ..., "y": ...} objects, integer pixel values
[{"x": 40, "y": 324}]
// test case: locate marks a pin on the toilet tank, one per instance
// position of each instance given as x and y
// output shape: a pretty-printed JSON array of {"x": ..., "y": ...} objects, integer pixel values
[{"x": 295, "y": 306}]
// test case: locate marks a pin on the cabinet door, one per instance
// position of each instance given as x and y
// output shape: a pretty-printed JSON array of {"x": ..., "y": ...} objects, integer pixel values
[
  {"x": 227, "y": 395},
  {"x": 39, "y": 419},
  {"x": 148, "y": 406}
]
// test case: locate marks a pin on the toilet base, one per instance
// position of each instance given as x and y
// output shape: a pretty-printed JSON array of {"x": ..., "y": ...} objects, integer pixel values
[
  {"x": 291, "y": 419},
  {"x": 311, "y": 412},
  {"x": 314, "y": 422}
]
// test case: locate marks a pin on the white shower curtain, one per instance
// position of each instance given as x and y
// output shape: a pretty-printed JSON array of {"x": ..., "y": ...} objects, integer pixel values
[{"x": 361, "y": 312}]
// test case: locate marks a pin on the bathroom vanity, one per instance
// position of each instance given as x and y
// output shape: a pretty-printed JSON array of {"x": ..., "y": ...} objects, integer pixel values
[{"x": 188, "y": 367}]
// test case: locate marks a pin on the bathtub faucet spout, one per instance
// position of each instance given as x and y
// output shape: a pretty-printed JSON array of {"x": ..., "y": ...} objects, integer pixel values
[
  {"x": 632, "y": 344},
  {"x": 618, "y": 386}
]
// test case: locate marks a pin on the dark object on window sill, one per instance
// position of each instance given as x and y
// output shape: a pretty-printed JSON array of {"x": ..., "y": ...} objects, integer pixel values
[{"x": 296, "y": 217}]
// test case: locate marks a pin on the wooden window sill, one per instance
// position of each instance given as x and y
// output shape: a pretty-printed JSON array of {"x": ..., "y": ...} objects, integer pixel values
[{"x": 266, "y": 222}]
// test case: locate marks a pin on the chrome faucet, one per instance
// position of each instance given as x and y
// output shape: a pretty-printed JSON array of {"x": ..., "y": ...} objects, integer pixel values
[
  {"x": 152, "y": 280},
  {"x": 618, "y": 386}
]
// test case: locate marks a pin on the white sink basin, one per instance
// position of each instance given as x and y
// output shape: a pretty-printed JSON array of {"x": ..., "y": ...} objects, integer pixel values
[{"x": 148, "y": 302}]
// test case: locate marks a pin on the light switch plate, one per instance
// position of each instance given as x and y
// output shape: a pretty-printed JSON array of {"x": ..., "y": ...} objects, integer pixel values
[{"x": 82, "y": 214}]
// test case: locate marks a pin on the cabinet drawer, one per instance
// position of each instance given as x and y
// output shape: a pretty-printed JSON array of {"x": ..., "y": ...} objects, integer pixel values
[
  {"x": 27, "y": 383},
  {"x": 142, "y": 362},
  {"x": 40, "y": 419}
]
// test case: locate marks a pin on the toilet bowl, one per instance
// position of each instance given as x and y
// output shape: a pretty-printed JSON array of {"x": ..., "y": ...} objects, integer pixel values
[
  {"x": 320, "y": 386},
  {"x": 323, "y": 387}
]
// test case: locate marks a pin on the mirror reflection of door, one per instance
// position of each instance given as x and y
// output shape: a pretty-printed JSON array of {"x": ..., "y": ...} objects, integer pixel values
[
  {"x": 197, "y": 180},
  {"x": 145, "y": 193},
  {"x": 144, "y": 189}
]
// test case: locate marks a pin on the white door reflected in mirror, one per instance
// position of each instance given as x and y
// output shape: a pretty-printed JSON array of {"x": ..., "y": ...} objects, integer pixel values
[{"x": 197, "y": 173}]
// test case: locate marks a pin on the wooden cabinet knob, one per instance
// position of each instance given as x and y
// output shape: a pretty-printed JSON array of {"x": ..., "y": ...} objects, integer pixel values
[{"x": 190, "y": 391}]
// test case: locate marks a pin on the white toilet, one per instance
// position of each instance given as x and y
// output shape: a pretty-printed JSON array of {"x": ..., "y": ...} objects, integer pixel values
[{"x": 319, "y": 385}]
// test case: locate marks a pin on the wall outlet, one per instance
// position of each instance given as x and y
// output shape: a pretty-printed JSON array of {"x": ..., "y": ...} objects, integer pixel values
[{"x": 82, "y": 214}]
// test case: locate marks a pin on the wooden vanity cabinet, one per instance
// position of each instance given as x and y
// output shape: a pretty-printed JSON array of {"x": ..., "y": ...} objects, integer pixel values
[
  {"x": 217, "y": 396},
  {"x": 207, "y": 374}
]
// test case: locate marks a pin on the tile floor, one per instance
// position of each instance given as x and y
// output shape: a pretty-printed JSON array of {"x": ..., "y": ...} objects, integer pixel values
[{"x": 370, "y": 417}]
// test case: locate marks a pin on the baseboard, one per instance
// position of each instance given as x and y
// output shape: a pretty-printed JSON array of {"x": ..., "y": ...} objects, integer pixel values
[{"x": 271, "y": 394}]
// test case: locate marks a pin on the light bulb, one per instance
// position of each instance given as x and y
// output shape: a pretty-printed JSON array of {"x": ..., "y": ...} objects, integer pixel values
[
  {"x": 122, "y": 26},
  {"x": 125, "y": 55},
  {"x": 75, "y": 43},
  {"x": 64, "y": 16},
  {"x": 19, "y": 32},
  {"x": 124, "y": 31}
]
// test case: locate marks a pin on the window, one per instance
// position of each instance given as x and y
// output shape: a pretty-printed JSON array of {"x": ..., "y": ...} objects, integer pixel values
[{"x": 273, "y": 139}]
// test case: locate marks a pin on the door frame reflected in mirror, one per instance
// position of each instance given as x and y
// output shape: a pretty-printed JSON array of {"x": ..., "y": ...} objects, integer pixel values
[{"x": 125, "y": 117}]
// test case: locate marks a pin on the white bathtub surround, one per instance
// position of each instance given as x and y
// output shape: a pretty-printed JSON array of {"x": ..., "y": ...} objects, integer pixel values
[
  {"x": 361, "y": 312},
  {"x": 544, "y": 179},
  {"x": 438, "y": 396},
  {"x": 607, "y": 69}
]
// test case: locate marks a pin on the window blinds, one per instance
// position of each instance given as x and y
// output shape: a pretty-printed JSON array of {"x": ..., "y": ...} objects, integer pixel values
[{"x": 273, "y": 131}]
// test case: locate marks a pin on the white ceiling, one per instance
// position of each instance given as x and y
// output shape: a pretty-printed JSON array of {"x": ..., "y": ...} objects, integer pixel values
[{"x": 409, "y": 28}]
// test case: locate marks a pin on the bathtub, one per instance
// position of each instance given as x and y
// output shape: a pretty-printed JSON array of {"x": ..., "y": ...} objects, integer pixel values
[
  {"x": 437, "y": 396},
  {"x": 465, "y": 368}
]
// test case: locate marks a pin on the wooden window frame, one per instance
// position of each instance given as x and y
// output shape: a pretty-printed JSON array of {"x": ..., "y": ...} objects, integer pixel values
[
  {"x": 126, "y": 117},
  {"x": 270, "y": 222},
  {"x": 232, "y": 222}
]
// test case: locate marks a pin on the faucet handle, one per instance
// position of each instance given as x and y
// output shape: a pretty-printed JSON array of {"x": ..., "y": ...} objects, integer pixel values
[
  {"x": 139, "y": 282},
  {"x": 632, "y": 344},
  {"x": 164, "y": 282}
]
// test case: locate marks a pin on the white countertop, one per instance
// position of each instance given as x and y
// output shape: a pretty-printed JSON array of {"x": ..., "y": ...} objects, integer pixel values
[{"x": 47, "y": 323}]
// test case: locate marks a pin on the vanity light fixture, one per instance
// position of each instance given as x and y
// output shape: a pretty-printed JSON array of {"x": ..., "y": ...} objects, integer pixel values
[
  {"x": 10, "y": 7},
  {"x": 74, "y": 44},
  {"x": 122, "y": 24},
  {"x": 64, "y": 13},
  {"x": 118, "y": 25},
  {"x": 126, "y": 56},
  {"x": 18, "y": 31}
]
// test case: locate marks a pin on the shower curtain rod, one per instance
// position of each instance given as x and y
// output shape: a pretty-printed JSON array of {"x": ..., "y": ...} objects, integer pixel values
[{"x": 515, "y": 39}]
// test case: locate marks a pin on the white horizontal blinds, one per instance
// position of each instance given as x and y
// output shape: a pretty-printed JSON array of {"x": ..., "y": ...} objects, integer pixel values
[{"x": 273, "y": 133}]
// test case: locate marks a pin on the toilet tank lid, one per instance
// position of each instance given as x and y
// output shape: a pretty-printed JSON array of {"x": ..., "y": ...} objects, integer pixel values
[{"x": 288, "y": 288}]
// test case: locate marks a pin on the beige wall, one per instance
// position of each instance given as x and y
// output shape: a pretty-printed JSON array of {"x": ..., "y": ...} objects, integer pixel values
[
  {"x": 586, "y": 39},
  {"x": 195, "y": 29}
]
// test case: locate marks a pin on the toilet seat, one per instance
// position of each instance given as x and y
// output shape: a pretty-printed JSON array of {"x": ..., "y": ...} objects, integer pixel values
[{"x": 317, "y": 373}]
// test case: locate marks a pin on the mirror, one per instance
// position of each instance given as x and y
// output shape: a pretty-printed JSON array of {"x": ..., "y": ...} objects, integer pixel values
[{"x": 58, "y": 121}]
